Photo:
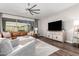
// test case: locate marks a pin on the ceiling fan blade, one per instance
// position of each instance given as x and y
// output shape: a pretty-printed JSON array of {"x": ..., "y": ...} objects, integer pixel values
[
  {"x": 35, "y": 12},
  {"x": 31, "y": 12},
  {"x": 33, "y": 6},
  {"x": 35, "y": 9}
]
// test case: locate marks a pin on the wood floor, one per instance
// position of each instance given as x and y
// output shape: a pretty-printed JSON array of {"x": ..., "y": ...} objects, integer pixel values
[{"x": 65, "y": 48}]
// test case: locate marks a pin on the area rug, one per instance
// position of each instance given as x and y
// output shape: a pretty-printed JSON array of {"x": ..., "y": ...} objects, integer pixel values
[{"x": 44, "y": 49}]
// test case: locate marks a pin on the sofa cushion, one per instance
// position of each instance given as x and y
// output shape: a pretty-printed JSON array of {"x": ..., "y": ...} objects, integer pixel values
[{"x": 6, "y": 34}]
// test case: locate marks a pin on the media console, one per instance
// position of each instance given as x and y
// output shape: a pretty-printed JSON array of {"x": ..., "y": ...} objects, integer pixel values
[{"x": 56, "y": 35}]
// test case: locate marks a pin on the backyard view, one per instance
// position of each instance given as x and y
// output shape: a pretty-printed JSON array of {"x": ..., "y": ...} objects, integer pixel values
[{"x": 17, "y": 26}]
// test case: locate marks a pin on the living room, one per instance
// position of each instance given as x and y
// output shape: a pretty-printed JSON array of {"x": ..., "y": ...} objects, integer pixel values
[{"x": 39, "y": 29}]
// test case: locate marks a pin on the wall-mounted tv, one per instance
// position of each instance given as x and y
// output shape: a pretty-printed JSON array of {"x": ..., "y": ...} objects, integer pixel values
[{"x": 55, "y": 26}]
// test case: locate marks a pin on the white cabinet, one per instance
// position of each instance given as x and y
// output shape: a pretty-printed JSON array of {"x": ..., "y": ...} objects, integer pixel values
[{"x": 56, "y": 35}]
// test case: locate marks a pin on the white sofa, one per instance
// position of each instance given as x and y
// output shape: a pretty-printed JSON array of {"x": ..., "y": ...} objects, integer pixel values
[{"x": 27, "y": 48}]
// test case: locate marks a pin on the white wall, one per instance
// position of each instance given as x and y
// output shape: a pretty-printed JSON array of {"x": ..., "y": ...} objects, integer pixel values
[{"x": 68, "y": 17}]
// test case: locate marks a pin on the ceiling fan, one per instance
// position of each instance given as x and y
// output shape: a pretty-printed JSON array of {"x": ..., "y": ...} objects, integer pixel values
[{"x": 32, "y": 9}]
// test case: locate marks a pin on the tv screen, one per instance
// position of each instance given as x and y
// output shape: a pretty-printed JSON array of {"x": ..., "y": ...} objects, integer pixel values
[{"x": 55, "y": 26}]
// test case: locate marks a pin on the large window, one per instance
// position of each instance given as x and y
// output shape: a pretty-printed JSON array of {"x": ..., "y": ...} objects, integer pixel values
[{"x": 16, "y": 26}]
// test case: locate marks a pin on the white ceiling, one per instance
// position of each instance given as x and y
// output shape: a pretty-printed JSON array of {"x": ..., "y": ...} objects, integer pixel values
[{"x": 46, "y": 9}]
